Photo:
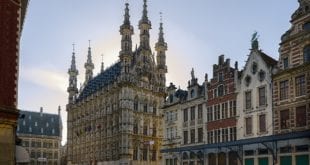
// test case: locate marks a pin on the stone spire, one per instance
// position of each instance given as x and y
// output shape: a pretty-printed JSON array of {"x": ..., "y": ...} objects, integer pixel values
[
  {"x": 161, "y": 48},
  {"x": 126, "y": 31},
  {"x": 145, "y": 26},
  {"x": 89, "y": 66},
  {"x": 73, "y": 72}
]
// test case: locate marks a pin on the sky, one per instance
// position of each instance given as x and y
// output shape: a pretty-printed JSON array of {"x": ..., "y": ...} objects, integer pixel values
[{"x": 196, "y": 31}]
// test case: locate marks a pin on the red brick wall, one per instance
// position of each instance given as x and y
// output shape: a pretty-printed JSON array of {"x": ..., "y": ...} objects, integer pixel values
[
  {"x": 224, "y": 123},
  {"x": 9, "y": 41}
]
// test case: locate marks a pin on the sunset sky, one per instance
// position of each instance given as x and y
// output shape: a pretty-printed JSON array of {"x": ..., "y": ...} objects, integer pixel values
[{"x": 196, "y": 31}]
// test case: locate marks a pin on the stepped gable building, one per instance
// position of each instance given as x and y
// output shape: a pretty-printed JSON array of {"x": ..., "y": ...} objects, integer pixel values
[
  {"x": 41, "y": 135},
  {"x": 115, "y": 118},
  {"x": 221, "y": 110},
  {"x": 254, "y": 99},
  {"x": 291, "y": 93},
  {"x": 185, "y": 115}
]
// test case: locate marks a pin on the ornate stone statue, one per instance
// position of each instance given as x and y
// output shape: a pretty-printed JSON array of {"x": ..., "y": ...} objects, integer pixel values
[{"x": 254, "y": 41}]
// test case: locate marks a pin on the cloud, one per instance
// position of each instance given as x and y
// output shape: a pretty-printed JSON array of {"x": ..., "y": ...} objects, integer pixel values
[{"x": 46, "y": 78}]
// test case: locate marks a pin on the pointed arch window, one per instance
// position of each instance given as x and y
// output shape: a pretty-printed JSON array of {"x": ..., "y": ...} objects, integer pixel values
[{"x": 307, "y": 53}]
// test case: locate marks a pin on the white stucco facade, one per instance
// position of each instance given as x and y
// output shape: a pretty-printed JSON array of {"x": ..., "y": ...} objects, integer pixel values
[{"x": 254, "y": 99}]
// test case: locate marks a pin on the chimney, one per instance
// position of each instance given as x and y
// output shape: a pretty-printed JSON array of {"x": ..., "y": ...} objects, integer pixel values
[
  {"x": 41, "y": 111},
  {"x": 221, "y": 59},
  {"x": 59, "y": 109}
]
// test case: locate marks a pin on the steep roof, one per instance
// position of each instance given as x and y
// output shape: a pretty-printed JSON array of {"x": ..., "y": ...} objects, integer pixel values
[
  {"x": 269, "y": 60},
  {"x": 37, "y": 123},
  {"x": 101, "y": 80}
]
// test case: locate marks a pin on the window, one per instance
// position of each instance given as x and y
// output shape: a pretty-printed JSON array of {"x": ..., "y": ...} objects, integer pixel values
[
  {"x": 262, "y": 123},
  {"x": 192, "y": 93},
  {"x": 248, "y": 125},
  {"x": 301, "y": 116},
  {"x": 36, "y": 124},
  {"x": 135, "y": 154},
  {"x": 262, "y": 75},
  {"x": 215, "y": 136},
  {"x": 233, "y": 133},
  {"x": 284, "y": 119},
  {"x": 215, "y": 112},
  {"x": 135, "y": 128},
  {"x": 218, "y": 135},
  {"x": 145, "y": 107},
  {"x": 144, "y": 130},
  {"x": 300, "y": 85},
  {"x": 306, "y": 26},
  {"x": 220, "y": 90},
  {"x": 53, "y": 131},
  {"x": 254, "y": 67},
  {"x": 307, "y": 53},
  {"x": 200, "y": 111},
  {"x": 192, "y": 135},
  {"x": 144, "y": 154},
  {"x": 221, "y": 77},
  {"x": 210, "y": 137},
  {"x": 285, "y": 63},
  {"x": 47, "y": 124},
  {"x": 226, "y": 110},
  {"x": 210, "y": 113},
  {"x": 171, "y": 98},
  {"x": 247, "y": 80},
  {"x": 185, "y": 137},
  {"x": 24, "y": 122},
  {"x": 284, "y": 90},
  {"x": 135, "y": 105},
  {"x": 192, "y": 113},
  {"x": 200, "y": 135},
  {"x": 248, "y": 100},
  {"x": 185, "y": 115},
  {"x": 30, "y": 129},
  {"x": 262, "y": 96}
]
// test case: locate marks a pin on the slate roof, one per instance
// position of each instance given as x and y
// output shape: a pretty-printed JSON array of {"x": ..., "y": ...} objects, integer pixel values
[
  {"x": 101, "y": 80},
  {"x": 33, "y": 122},
  {"x": 269, "y": 60}
]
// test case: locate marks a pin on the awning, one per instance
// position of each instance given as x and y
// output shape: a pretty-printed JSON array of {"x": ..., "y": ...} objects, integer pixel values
[{"x": 22, "y": 156}]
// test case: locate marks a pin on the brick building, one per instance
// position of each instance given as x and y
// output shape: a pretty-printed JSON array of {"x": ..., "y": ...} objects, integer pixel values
[
  {"x": 221, "y": 109},
  {"x": 12, "y": 14}
]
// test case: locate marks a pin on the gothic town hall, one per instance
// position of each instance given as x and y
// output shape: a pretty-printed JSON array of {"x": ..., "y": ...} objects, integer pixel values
[{"x": 114, "y": 118}]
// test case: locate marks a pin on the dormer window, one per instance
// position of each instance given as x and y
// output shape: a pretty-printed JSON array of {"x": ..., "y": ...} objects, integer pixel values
[
  {"x": 171, "y": 98},
  {"x": 192, "y": 93},
  {"x": 254, "y": 67}
]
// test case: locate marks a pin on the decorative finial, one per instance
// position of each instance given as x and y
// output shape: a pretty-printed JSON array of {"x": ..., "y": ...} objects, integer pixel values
[
  {"x": 88, "y": 43},
  {"x": 161, "y": 17},
  {"x": 102, "y": 64},
  {"x": 254, "y": 41},
  {"x": 73, "y": 49},
  {"x": 192, "y": 73}
]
